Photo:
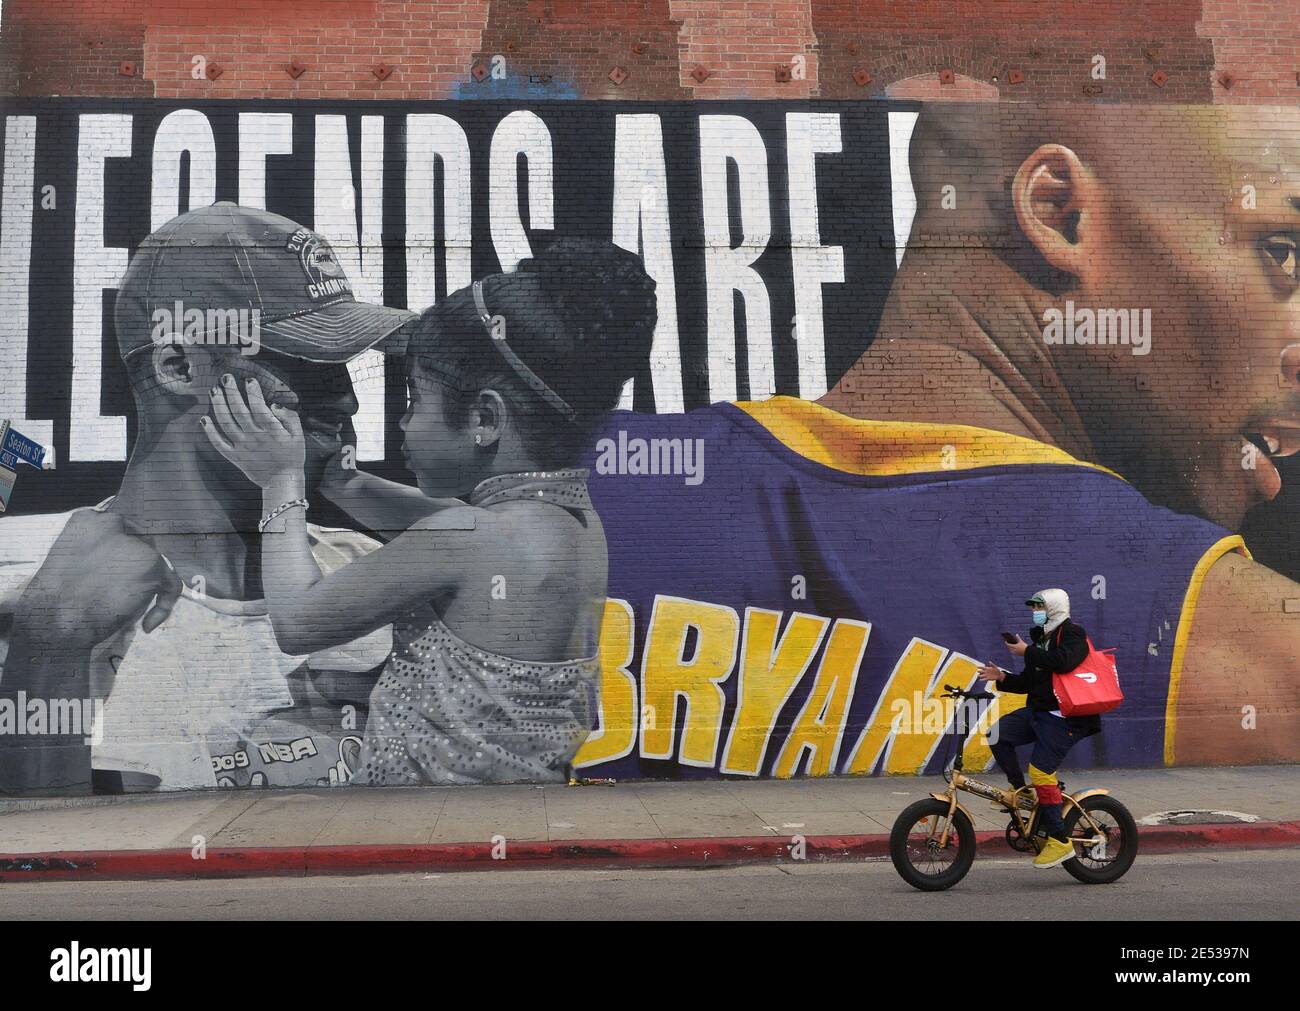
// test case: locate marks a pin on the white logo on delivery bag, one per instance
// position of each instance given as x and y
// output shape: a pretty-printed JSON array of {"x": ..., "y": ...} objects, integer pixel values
[{"x": 1088, "y": 676}]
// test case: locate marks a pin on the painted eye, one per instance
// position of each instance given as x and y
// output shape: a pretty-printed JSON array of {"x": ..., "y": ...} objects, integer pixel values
[{"x": 1281, "y": 249}]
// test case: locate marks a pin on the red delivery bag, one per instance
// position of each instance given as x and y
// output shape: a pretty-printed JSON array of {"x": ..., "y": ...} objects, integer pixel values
[{"x": 1092, "y": 687}]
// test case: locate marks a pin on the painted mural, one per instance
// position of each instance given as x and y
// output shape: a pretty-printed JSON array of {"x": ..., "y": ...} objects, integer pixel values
[{"x": 464, "y": 442}]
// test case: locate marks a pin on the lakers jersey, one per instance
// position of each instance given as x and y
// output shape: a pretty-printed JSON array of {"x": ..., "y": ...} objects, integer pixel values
[{"x": 790, "y": 588}]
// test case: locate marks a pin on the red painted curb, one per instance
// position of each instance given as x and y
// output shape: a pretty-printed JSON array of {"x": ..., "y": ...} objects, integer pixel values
[{"x": 302, "y": 861}]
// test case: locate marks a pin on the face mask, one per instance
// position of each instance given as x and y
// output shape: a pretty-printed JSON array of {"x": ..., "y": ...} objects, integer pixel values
[{"x": 1040, "y": 618}]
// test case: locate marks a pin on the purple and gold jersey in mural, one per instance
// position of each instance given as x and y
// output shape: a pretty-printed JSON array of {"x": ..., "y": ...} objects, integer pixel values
[{"x": 789, "y": 587}]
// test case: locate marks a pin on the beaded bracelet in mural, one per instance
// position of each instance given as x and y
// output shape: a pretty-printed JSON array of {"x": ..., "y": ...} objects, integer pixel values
[{"x": 283, "y": 507}]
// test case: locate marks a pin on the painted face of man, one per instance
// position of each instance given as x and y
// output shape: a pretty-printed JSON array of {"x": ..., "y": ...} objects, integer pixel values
[
  {"x": 321, "y": 394},
  {"x": 1198, "y": 220}
]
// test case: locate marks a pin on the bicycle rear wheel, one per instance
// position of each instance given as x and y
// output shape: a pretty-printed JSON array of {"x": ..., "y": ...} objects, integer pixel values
[{"x": 914, "y": 845}]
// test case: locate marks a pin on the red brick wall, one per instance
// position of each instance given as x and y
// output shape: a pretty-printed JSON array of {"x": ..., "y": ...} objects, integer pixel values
[
  {"x": 987, "y": 40},
  {"x": 63, "y": 47},
  {"x": 340, "y": 41},
  {"x": 568, "y": 48},
  {"x": 573, "y": 47},
  {"x": 741, "y": 44},
  {"x": 1259, "y": 44}
]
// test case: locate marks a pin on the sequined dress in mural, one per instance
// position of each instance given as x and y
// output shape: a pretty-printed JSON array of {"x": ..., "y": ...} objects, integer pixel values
[{"x": 447, "y": 712}]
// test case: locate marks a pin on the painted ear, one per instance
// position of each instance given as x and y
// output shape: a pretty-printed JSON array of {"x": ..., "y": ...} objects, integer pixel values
[
  {"x": 1056, "y": 199},
  {"x": 177, "y": 369},
  {"x": 490, "y": 416}
]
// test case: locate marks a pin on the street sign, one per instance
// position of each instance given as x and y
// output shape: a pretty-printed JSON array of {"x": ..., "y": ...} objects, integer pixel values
[
  {"x": 7, "y": 479},
  {"x": 8, "y": 460},
  {"x": 23, "y": 448}
]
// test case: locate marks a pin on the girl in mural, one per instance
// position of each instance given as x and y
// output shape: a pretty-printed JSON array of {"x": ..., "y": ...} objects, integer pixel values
[{"x": 494, "y": 574}]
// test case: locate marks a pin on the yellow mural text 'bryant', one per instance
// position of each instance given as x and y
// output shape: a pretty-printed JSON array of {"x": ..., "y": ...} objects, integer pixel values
[{"x": 768, "y": 664}]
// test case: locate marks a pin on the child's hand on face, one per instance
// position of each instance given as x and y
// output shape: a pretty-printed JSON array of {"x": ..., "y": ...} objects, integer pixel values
[{"x": 265, "y": 442}]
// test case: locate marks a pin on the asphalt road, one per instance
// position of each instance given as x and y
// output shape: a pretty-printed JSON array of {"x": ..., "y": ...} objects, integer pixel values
[{"x": 1260, "y": 885}]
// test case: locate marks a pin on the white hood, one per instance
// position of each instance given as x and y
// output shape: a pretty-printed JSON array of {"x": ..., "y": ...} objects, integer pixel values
[{"x": 1058, "y": 608}]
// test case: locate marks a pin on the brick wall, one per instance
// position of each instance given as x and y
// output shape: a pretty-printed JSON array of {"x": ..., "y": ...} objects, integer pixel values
[
  {"x": 1258, "y": 43},
  {"x": 1166, "y": 182},
  {"x": 570, "y": 48},
  {"x": 578, "y": 48},
  {"x": 73, "y": 48}
]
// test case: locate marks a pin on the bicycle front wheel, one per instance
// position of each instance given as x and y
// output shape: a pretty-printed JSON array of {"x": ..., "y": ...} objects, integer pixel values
[
  {"x": 914, "y": 845},
  {"x": 1108, "y": 859}
]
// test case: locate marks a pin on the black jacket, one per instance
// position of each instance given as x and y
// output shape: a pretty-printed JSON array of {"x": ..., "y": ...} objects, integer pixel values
[{"x": 1058, "y": 653}]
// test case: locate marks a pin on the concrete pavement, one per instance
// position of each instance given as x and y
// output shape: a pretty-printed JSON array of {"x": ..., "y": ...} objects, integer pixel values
[{"x": 329, "y": 821}]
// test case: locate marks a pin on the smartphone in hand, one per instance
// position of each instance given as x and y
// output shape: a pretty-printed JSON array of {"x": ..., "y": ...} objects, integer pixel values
[{"x": 1009, "y": 637}]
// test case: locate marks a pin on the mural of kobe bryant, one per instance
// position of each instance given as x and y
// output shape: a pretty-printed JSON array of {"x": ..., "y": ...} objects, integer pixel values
[
  {"x": 495, "y": 576},
  {"x": 154, "y": 592},
  {"x": 972, "y": 449}
]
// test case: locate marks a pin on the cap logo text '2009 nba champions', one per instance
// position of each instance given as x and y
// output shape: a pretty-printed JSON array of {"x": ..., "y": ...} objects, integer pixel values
[{"x": 324, "y": 274}]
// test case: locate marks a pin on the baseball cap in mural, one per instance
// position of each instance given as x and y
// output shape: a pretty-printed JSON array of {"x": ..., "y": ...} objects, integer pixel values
[{"x": 227, "y": 257}]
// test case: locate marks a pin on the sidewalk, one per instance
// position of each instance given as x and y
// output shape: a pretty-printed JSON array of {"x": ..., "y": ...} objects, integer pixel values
[{"x": 356, "y": 830}]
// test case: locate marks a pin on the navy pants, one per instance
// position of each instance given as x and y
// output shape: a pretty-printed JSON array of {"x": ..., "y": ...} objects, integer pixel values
[{"x": 1052, "y": 738}]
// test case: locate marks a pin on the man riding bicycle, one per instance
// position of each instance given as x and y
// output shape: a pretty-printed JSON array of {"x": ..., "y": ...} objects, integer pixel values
[{"x": 1058, "y": 646}]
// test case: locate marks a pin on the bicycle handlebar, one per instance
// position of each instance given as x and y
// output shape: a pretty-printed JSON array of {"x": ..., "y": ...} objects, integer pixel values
[{"x": 953, "y": 692}]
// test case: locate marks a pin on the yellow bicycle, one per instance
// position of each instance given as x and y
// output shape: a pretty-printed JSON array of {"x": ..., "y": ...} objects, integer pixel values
[{"x": 933, "y": 841}]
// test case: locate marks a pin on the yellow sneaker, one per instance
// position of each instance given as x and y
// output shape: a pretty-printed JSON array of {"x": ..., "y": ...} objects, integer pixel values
[{"x": 1053, "y": 853}]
